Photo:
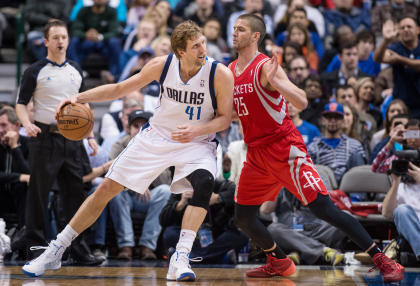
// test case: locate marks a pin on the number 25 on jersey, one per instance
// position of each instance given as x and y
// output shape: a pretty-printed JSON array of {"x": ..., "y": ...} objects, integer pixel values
[{"x": 240, "y": 106}]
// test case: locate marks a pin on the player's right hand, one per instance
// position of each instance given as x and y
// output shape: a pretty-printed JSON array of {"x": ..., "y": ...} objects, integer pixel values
[
  {"x": 32, "y": 130},
  {"x": 72, "y": 99}
]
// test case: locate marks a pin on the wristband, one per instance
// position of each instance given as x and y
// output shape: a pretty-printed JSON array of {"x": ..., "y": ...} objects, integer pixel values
[{"x": 90, "y": 137}]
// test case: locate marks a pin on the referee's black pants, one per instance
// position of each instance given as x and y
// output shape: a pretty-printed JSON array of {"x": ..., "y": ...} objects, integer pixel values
[{"x": 52, "y": 157}]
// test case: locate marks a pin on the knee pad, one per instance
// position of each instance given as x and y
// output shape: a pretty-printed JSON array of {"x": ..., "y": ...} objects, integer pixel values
[{"x": 202, "y": 182}]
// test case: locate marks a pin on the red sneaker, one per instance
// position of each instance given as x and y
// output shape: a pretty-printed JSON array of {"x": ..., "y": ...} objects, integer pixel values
[
  {"x": 273, "y": 267},
  {"x": 391, "y": 270}
]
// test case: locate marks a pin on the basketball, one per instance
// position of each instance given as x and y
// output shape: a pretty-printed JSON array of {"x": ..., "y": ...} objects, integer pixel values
[{"x": 75, "y": 121}]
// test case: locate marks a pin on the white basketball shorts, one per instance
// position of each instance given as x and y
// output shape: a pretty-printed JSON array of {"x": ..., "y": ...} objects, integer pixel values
[{"x": 148, "y": 154}]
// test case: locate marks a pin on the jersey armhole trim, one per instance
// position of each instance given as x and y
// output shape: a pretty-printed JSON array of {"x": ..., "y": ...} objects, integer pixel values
[
  {"x": 211, "y": 85},
  {"x": 165, "y": 69}
]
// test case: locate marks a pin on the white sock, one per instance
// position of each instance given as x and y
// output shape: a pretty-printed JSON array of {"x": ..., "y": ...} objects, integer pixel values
[
  {"x": 186, "y": 240},
  {"x": 65, "y": 237}
]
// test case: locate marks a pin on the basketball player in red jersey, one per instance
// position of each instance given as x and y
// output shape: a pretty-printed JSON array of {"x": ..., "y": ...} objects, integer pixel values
[{"x": 277, "y": 155}]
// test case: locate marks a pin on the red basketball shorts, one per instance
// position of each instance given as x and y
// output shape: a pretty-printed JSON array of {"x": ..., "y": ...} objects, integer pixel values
[{"x": 284, "y": 163}]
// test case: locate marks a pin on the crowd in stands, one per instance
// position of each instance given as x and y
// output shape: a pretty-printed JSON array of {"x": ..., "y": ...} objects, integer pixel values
[{"x": 358, "y": 62}]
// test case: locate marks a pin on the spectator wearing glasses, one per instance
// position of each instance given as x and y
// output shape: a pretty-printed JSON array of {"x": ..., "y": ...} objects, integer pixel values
[
  {"x": 298, "y": 70},
  {"x": 335, "y": 149}
]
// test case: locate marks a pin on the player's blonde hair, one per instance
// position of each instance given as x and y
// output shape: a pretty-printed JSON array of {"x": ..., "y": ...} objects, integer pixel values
[{"x": 185, "y": 31}]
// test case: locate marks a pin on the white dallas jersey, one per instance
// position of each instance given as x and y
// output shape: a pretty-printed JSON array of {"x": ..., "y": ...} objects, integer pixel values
[{"x": 180, "y": 103}]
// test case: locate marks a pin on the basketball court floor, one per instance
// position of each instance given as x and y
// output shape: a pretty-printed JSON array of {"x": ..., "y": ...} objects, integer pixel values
[{"x": 115, "y": 272}]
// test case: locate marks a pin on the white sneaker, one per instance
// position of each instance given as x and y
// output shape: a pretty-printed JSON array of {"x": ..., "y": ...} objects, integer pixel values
[
  {"x": 179, "y": 268},
  {"x": 50, "y": 259}
]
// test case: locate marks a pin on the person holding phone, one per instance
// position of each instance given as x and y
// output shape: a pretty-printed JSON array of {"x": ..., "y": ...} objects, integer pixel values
[
  {"x": 402, "y": 202},
  {"x": 383, "y": 159}
]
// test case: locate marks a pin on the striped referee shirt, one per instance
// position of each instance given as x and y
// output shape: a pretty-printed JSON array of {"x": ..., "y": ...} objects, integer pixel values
[
  {"x": 337, "y": 158},
  {"x": 49, "y": 83}
]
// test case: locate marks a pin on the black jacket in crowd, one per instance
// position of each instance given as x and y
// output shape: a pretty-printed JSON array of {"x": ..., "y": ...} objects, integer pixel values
[
  {"x": 14, "y": 162},
  {"x": 219, "y": 217}
]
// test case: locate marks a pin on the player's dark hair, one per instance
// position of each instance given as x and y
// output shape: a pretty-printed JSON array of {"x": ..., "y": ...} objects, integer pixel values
[
  {"x": 256, "y": 23},
  {"x": 53, "y": 23}
]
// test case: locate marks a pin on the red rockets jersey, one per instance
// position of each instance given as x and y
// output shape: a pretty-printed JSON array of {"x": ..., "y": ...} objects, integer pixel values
[{"x": 263, "y": 113}]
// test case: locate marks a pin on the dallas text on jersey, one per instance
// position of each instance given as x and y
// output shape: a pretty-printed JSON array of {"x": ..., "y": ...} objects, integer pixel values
[{"x": 184, "y": 96}]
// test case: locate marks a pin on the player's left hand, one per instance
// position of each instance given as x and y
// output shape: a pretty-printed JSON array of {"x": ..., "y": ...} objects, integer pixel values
[
  {"x": 72, "y": 99},
  {"x": 272, "y": 66},
  {"x": 185, "y": 133},
  {"x": 94, "y": 145}
]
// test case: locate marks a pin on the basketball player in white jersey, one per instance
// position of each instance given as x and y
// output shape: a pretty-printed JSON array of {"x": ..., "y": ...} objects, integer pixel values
[{"x": 195, "y": 103}]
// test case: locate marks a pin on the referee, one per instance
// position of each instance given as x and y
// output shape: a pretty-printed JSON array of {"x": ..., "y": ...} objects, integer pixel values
[{"x": 53, "y": 158}]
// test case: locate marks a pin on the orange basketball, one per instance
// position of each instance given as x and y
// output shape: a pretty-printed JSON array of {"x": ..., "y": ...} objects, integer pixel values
[{"x": 75, "y": 121}]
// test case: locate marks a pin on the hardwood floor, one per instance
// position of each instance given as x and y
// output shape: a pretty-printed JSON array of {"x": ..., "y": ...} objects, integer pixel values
[{"x": 156, "y": 276}]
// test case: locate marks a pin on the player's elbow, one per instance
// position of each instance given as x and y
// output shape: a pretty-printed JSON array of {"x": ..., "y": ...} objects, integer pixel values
[{"x": 302, "y": 103}]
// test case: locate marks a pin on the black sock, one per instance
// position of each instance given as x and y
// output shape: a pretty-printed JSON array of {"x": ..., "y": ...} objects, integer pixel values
[
  {"x": 277, "y": 253},
  {"x": 374, "y": 250}
]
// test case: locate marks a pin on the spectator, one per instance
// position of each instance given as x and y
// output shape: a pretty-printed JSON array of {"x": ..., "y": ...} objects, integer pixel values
[
  {"x": 114, "y": 125},
  {"x": 345, "y": 13},
  {"x": 137, "y": 62},
  {"x": 299, "y": 16},
  {"x": 298, "y": 70},
  {"x": 342, "y": 35},
  {"x": 204, "y": 12},
  {"x": 52, "y": 156},
  {"x": 139, "y": 39},
  {"x": 172, "y": 20},
  {"x": 402, "y": 203},
  {"x": 127, "y": 201},
  {"x": 136, "y": 12},
  {"x": 351, "y": 121},
  {"x": 159, "y": 17},
  {"x": 37, "y": 15},
  {"x": 347, "y": 94},
  {"x": 316, "y": 100},
  {"x": 299, "y": 34},
  {"x": 313, "y": 240},
  {"x": 251, "y": 6},
  {"x": 349, "y": 58},
  {"x": 216, "y": 46},
  {"x": 236, "y": 156},
  {"x": 354, "y": 127},
  {"x": 384, "y": 83},
  {"x": 306, "y": 129},
  {"x": 393, "y": 10},
  {"x": 14, "y": 169},
  {"x": 384, "y": 151},
  {"x": 335, "y": 149},
  {"x": 365, "y": 40},
  {"x": 221, "y": 233},
  {"x": 119, "y": 5},
  {"x": 290, "y": 51},
  {"x": 402, "y": 56},
  {"x": 229, "y": 135},
  {"x": 365, "y": 92},
  {"x": 397, "y": 106},
  {"x": 96, "y": 29},
  {"x": 283, "y": 11}
]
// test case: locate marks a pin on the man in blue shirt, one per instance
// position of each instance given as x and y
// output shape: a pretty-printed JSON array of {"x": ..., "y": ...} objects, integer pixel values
[
  {"x": 404, "y": 57},
  {"x": 306, "y": 129},
  {"x": 335, "y": 149}
]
